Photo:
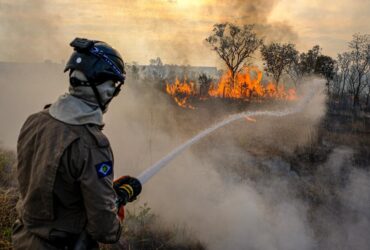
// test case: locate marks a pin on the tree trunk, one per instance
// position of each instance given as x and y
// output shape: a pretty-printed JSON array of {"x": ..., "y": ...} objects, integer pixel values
[
  {"x": 328, "y": 86},
  {"x": 356, "y": 99},
  {"x": 232, "y": 80},
  {"x": 277, "y": 79},
  {"x": 344, "y": 84}
]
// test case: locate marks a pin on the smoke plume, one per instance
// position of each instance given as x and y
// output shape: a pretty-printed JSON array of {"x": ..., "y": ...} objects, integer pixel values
[
  {"x": 30, "y": 31},
  {"x": 198, "y": 190},
  {"x": 255, "y": 12}
]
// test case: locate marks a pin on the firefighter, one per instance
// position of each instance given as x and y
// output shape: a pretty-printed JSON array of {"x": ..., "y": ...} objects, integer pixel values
[{"x": 68, "y": 199}]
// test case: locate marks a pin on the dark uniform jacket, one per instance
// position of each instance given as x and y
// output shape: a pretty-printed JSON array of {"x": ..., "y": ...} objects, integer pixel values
[{"x": 65, "y": 175}]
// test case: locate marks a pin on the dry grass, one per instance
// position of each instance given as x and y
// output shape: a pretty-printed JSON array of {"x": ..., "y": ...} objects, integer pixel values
[
  {"x": 8, "y": 197},
  {"x": 143, "y": 230},
  {"x": 7, "y": 170},
  {"x": 8, "y": 200}
]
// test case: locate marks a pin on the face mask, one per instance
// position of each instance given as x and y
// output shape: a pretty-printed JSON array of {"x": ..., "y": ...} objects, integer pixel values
[{"x": 106, "y": 90}]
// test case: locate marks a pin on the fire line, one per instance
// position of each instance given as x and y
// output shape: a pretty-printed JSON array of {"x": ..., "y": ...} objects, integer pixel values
[{"x": 247, "y": 85}]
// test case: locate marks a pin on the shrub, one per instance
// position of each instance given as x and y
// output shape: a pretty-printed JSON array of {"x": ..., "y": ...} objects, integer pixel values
[{"x": 143, "y": 230}]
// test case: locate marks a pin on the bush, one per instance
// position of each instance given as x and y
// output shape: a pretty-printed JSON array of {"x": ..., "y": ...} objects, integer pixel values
[{"x": 143, "y": 230}]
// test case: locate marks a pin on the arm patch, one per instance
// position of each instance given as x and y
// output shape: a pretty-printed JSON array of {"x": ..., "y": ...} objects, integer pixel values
[{"x": 104, "y": 169}]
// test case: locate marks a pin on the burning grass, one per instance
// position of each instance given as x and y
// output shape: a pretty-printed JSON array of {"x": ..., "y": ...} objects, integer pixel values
[{"x": 246, "y": 85}]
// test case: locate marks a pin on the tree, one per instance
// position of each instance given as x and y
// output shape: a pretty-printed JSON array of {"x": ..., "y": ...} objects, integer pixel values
[
  {"x": 344, "y": 62},
  {"x": 156, "y": 62},
  {"x": 360, "y": 57},
  {"x": 325, "y": 66},
  {"x": 135, "y": 70},
  {"x": 278, "y": 58},
  {"x": 204, "y": 82},
  {"x": 368, "y": 90},
  {"x": 156, "y": 70},
  {"x": 304, "y": 64},
  {"x": 308, "y": 60},
  {"x": 295, "y": 71},
  {"x": 234, "y": 45}
]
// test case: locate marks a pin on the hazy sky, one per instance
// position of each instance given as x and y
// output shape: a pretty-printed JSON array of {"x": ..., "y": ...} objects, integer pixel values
[{"x": 171, "y": 29}]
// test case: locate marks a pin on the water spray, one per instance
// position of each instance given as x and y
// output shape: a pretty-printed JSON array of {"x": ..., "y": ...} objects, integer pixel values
[{"x": 155, "y": 168}]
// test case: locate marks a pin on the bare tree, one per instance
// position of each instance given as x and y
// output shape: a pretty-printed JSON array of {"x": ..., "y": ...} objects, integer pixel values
[
  {"x": 360, "y": 57},
  {"x": 234, "y": 45},
  {"x": 368, "y": 90},
  {"x": 344, "y": 62},
  {"x": 278, "y": 58}
]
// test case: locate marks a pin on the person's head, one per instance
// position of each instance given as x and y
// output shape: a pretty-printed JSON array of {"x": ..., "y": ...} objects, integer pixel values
[{"x": 96, "y": 71}]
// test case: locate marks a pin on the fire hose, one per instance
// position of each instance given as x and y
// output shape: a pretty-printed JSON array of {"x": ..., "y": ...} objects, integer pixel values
[{"x": 156, "y": 167}]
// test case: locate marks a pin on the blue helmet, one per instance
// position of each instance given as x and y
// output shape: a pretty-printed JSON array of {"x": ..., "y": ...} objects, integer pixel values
[{"x": 97, "y": 60}]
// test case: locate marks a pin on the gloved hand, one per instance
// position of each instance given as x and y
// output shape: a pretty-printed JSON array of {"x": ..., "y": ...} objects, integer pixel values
[{"x": 127, "y": 189}]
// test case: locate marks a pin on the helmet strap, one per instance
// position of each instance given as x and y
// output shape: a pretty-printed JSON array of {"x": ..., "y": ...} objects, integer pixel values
[
  {"x": 98, "y": 98},
  {"x": 116, "y": 92}
]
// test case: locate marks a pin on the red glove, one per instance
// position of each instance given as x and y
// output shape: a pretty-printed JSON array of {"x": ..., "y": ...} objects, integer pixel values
[
  {"x": 127, "y": 189},
  {"x": 121, "y": 213}
]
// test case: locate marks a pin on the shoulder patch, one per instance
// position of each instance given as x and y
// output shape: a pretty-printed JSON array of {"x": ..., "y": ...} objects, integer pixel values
[{"x": 104, "y": 169}]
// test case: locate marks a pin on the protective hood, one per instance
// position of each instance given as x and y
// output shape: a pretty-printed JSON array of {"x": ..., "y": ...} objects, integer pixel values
[
  {"x": 80, "y": 106},
  {"x": 76, "y": 111}
]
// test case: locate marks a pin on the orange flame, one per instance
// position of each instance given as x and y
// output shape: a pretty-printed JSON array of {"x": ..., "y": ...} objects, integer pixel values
[
  {"x": 181, "y": 91},
  {"x": 247, "y": 84}
]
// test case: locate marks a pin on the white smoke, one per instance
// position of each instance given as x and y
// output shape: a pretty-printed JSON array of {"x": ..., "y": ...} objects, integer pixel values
[
  {"x": 232, "y": 189},
  {"x": 192, "y": 190}
]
